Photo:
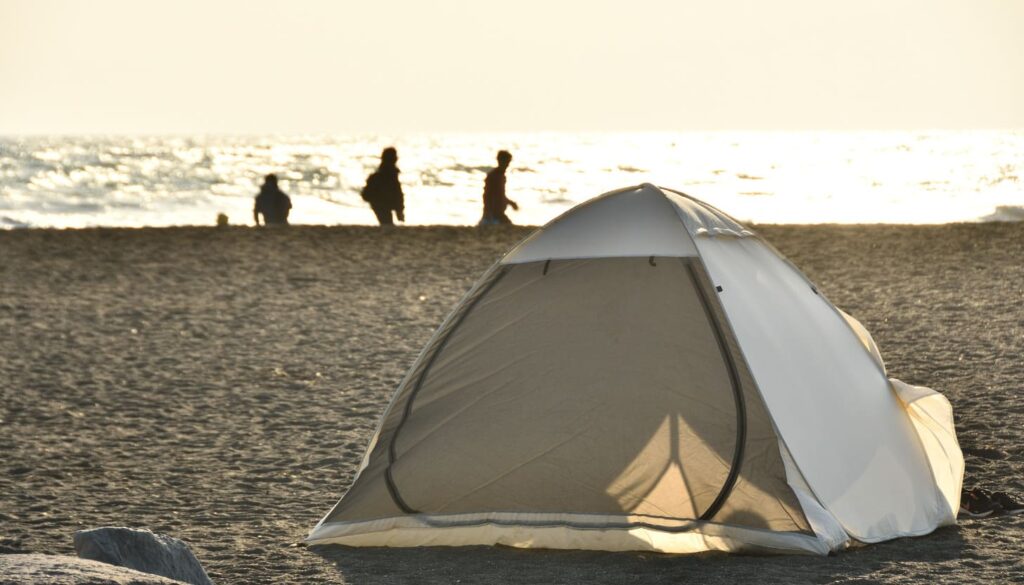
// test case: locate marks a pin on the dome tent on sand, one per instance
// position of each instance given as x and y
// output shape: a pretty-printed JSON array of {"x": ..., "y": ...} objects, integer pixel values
[{"x": 645, "y": 373}]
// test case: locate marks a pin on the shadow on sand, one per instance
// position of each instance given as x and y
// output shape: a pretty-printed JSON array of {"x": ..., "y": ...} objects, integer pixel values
[{"x": 363, "y": 566}]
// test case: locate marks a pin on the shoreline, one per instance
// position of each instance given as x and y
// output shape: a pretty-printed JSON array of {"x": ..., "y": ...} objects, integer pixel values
[{"x": 401, "y": 227}]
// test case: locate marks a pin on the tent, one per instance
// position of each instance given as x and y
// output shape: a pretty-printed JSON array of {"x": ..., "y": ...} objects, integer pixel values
[{"x": 645, "y": 373}]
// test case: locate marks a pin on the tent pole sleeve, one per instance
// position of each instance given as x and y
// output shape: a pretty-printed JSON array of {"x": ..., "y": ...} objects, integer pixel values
[
  {"x": 734, "y": 379},
  {"x": 389, "y": 478}
]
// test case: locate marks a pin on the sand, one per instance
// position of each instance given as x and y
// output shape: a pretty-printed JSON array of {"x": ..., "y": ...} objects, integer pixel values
[{"x": 219, "y": 385}]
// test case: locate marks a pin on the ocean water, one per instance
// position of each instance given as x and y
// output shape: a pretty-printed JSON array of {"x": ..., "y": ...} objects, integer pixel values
[{"x": 762, "y": 177}]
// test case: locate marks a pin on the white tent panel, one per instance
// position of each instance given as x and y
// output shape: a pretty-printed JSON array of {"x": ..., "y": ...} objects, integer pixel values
[
  {"x": 932, "y": 417},
  {"x": 865, "y": 338},
  {"x": 824, "y": 524},
  {"x": 638, "y": 221},
  {"x": 702, "y": 219},
  {"x": 845, "y": 428}
]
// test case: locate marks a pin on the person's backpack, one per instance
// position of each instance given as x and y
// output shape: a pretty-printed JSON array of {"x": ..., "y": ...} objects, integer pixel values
[{"x": 371, "y": 191}]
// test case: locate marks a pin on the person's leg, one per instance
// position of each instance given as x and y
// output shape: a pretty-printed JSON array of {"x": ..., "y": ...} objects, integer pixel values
[{"x": 383, "y": 215}]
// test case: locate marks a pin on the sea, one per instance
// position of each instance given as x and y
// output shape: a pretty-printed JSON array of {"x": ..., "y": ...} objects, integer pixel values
[{"x": 924, "y": 177}]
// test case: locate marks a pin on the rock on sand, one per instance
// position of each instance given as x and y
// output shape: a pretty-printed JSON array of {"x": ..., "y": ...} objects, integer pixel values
[
  {"x": 143, "y": 551},
  {"x": 60, "y": 570}
]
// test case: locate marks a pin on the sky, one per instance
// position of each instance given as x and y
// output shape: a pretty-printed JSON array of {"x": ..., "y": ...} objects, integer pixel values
[{"x": 336, "y": 66}]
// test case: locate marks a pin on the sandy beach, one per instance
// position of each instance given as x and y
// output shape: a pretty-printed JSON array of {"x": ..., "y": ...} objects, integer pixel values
[{"x": 220, "y": 385}]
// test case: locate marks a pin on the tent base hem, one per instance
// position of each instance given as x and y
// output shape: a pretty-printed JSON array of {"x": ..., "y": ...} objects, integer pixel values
[{"x": 503, "y": 529}]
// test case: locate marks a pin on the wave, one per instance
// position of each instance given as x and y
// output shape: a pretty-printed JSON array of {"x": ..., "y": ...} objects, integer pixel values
[
  {"x": 1005, "y": 213},
  {"x": 629, "y": 169},
  {"x": 431, "y": 179},
  {"x": 7, "y": 223},
  {"x": 470, "y": 169}
]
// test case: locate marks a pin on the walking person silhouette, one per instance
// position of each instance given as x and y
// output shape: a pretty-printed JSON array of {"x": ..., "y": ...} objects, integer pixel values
[
  {"x": 495, "y": 200},
  {"x": 383, "y": 191}
]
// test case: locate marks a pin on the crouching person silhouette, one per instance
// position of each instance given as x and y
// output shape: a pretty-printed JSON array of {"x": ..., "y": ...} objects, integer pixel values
[{"x": 272, "y": 203}]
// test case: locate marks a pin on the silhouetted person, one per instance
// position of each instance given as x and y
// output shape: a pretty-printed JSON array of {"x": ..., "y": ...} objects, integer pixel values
[
  {"x": 495, "y": 201},
  {"x": 383, "y": 191},
  {"x": 272, "y": 202}
]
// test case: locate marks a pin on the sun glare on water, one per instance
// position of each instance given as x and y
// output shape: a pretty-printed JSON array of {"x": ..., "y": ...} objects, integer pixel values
[{"x": 763, "y": 177}]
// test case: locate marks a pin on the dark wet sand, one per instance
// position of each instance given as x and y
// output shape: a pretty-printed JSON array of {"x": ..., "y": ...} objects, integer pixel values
[{"x": 220, "y": 385}]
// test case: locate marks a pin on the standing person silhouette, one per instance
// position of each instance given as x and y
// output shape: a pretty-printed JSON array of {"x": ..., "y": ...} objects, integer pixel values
[
  {"x": 383, "y": 191},
  {"x": 495, "y": 201},
  {"x": 273, "y": 203}
]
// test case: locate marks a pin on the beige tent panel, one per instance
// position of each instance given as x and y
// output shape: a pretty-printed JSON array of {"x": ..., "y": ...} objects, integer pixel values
[{"x": 544, "y": 397}]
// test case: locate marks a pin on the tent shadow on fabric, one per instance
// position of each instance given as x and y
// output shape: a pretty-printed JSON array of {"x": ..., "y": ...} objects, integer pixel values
[
  {"x": 483, "y": 564},
  {"x": 651, "y": 419}
]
